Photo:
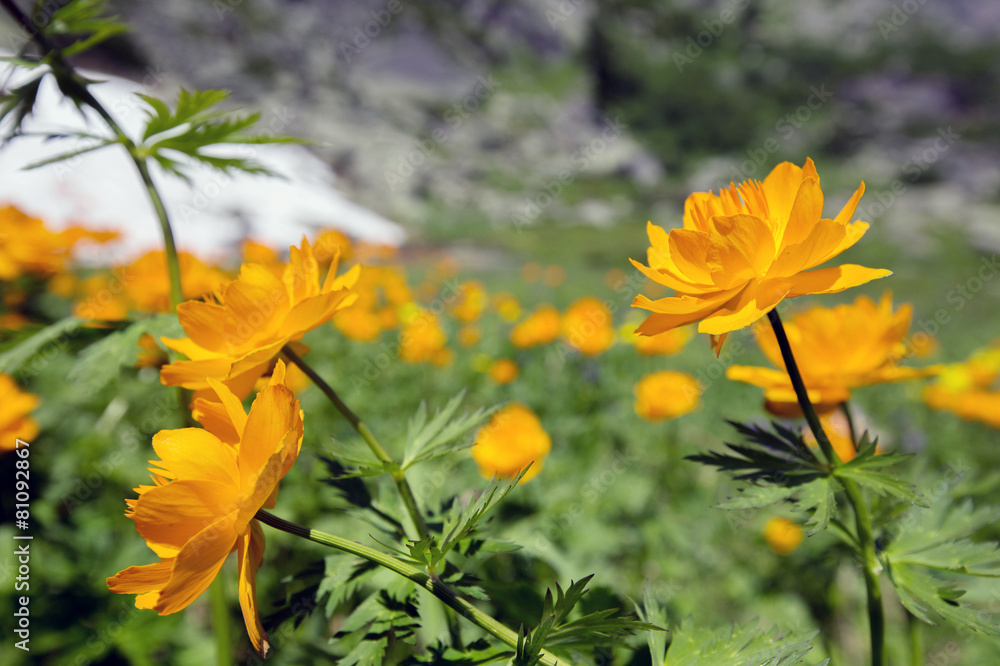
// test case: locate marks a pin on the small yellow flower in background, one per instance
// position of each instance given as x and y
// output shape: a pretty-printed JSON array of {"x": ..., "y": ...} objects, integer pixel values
[
  {"x": 28, "y": 248},
  {"x": 513, "y": 439},
  {"x": 666, "y": 395},
  {"x": 469, "y": 335},
  {"x": 144, "y": 286},
  {"x": 970, "y": 389},
  {"x": 539, "y": 328},
  {"x": 207, "y": 487},
  {"x": 531, "y": 272},
  {"x": 782, "y": 535},
  {"x": 744, "y": 250},
  {"x": 838, "y": 431},
  {"x": 422, "y": 340},
  {"x": 507, "y": 306},
  {"x": 381, "y": 291},
  {"x": 661, "y": 344},
  {"x": 358, "y": 324},
  {"x": 472, "y": 301},
  {"x": 837, "y": 349},
  {"x": 235, "y": 337},
  {"x": 15, "y": 409},
  {"x": 504, "y": 371},
  {"x": 587, "y": 326},
  {"x": 151, "y": 355},
  {"x": 615, "y": 278},
  {"x": 554, "y": 275},
  {"x": 332, "y": 244}
]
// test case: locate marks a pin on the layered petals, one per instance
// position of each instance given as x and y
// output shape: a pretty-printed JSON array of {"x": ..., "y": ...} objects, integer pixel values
[{"x": 743, "y": 251}]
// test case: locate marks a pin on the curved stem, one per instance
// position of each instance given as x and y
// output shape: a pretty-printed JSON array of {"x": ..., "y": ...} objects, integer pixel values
[
  {"x": 405, "y": 492},
  {"x": 220, "y": 622},
  {"x": 850, "y": 423},
  {"x": 432, "y": 585},
  {"x": 862, "y": 518}
]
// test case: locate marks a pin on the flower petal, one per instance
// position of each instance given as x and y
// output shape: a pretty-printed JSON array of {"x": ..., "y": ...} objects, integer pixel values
[
  {"x": 200, "y": 321},
  {"x": 169, "y": 516},
  {"x": 197, "y": 564},
  {"x": 781, "y": 186},
  {"x": 140, "y": 579},
  {"x": 194, "y": 374},
  {"x": 274, "y": 413},
  {"x": 755, "y": 301},
  {"x": 677, "y": 311},
  {"x": 832, "y": 280},
  {"x": 195, "y": 454},
  {"x": 233, "y": 406},
  {"x": 250, "y": 550}
]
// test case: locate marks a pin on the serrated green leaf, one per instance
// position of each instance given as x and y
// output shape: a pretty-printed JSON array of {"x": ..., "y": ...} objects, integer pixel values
[
  {"x": 818, "y": 499},
  {"x": 69, "y": 155},
  {"x": 426, "y": 440},
  {"x": 462, "y": 522},
  {"x": 366, "y": 653},
  {"x": 736, "y": 646},
  {"x": 86, "y": 18},
  {"x": 928, "y": 599},
  {"x": 651, "y": 612},
  {"x": 756, "y": 497},
  {"x": 864, "y": 470},
  {"x": 938, "y": 537},
  {"x": 12, "y": 359}
]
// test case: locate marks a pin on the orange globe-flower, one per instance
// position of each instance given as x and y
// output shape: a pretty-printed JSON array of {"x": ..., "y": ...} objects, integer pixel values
[
  {"x": 782, "y": 535},
  {"x": 235, "y": 336},
  {"x": 539, "y": 328},
  {"x": 969, "y": 389},
  {"x": 837, "y": 349},
  {"x": 744, "y": 250},
  {"x": 423, "y": 340},
  {"x": 27, "y": 247},
  {"x": 666, "y": 395},
  {"x": 503, "y": 371},
  {"x": 587, "y": 326},
  {"x": 513, "y": 439},
  {"x": 15, "y": 407},
  {"x": 208, "y": 484}
]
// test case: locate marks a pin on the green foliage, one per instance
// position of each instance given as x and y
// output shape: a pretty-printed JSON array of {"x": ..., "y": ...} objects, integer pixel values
[
  {"x": 87, "y": 22},
  {"x": 865, "y": 469},
  {"x": 736, "y": 646},
  {"x": 193, "y": 126},
  {"x": 442, "y": 435},
  {"x": 931, "y": 553},
  {"x": 11, "y": 360},
  {"x": 102, "y": 361}
]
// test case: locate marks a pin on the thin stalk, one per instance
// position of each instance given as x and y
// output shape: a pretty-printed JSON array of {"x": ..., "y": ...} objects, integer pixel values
[
  {"x": 862, "y": 518},
  {"x": 915, "y": 629},
  {"x": 73, "y": 86},
  {"x": 850, "y": 422},
  {"x": 405, "y": 492},
  {"x": 432, "y": 585},
  {"x": 220, "y": 622}
]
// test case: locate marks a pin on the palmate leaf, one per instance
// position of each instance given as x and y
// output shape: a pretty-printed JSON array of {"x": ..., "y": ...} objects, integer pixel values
[
  {"x": 343, "y": 578},
  {"x": 442, "y": 435},
  {"x": 476, "y": 653},
  {"x": 193, "y": 126},
  {"x": 779, "y": 457},
  {"x": 736, "y": 646},
  {"x": 865, "y": 470},
  {"x": 930, "y": 553},
  {"x": 463, "y": 521},
  {"x": 652, "y": 612},
  {"x": 87, "y": 19}
]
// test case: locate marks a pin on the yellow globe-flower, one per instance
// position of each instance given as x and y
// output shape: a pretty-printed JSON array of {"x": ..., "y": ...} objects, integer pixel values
[
  {"x": 588, "y": 327},
  {"x": 539, "y": 328},
  {"x": 666, "y": 395},
  {"x": 513, "y": 439},
  {"x": 744, "y": 250},
  {"x": 782, "y": 535},
  {"x": 15, "y": 407}
]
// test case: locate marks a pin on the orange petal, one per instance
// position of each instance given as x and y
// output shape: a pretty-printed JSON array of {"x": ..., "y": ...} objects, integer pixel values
[
  {"x": 274, "y": 413},
  {"x": 169, "y": 516},
  {"x": 140, "y": 579},
  {"x": 832, "y": 280},
  {"x": 213, "y": 417},
  {"x": 688, "y": 252},
  {"x": 315, "y": 311},
  {"x": 755, "y": 301},
  {"x": 806, "y": 210},
  {"x": 197, "y": 564},
  {"x": 200, "y": 321},
  {"x": 846, "y": 213},
  {"x": 194, "y": 374},
  {"x": 233, "y": 406},
  {"x": 781, "y": 187},
  {"x": 195, "y": 454},
  {"x": 251, "y": 553},
  {"x": 741, "y": 247},
  {"x": 762, "y": 377},
  {"x": 677, "y": 311}
]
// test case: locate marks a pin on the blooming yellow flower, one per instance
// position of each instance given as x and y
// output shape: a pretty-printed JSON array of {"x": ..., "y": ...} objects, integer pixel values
[
  {"x": 422, "y": 340},
  {"x": 469, "y": 335},
  {"x": 587, "y": 326},
  {"x": 743, "y": 251},
  {"x": 472, "y": 301},
  {"x": 380, "y": 292},
  {"x": 503, "y": 371},
  {"x": 15, "y": 407},
  {"x": 208, "y": 484},
  {"x": 666, "y": 395},
  {"x": 661, "y": 344},
  {"x": 969, "y": 389},
  {"x": 144, "y": 286},
  {"x": 28, "y": 248},
  {"x": 513, "y": 439},
  {"x": 782, "y": 535},
  {"x": 837, "y": 349},
  {"x": 539, "y": 328},
  {"x": 235, "y": 336},
  {"x": 507, "y": 306}
]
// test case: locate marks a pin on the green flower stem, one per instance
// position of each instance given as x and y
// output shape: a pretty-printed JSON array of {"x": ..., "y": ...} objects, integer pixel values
[
  {"x": 915, "y": 629},
  {"x": 862, "y": 518},
  {"x": 850, "y": 422},
  {"x": 402, "y": 485},
  {"x": 434, "y": 586},
  {"x": 74, "y": 86},
  {"x": 220, "y": 622}
]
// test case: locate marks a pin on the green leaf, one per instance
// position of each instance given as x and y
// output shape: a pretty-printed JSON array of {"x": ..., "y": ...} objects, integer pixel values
[
  {"x": 69, "y": 155},
  {"x": 864, "y": 468},
  {"x": 736, "y": 646},
  {"x": 932, "y": 600},
  {"x": 463, "y": 521},
  {"x": 102, "y": 361},
  {"x": 818, "y": 499},
  {"x": 87, "y": 18},
  {"x": 19, "y": 103},
  {"x": 651, "y": 612},
  {"x": 54, "y": 335},
  {"x": 778, "y": 458},
  {"x": 442, "y": 435},
  {"x": 366, "y": 653}
]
